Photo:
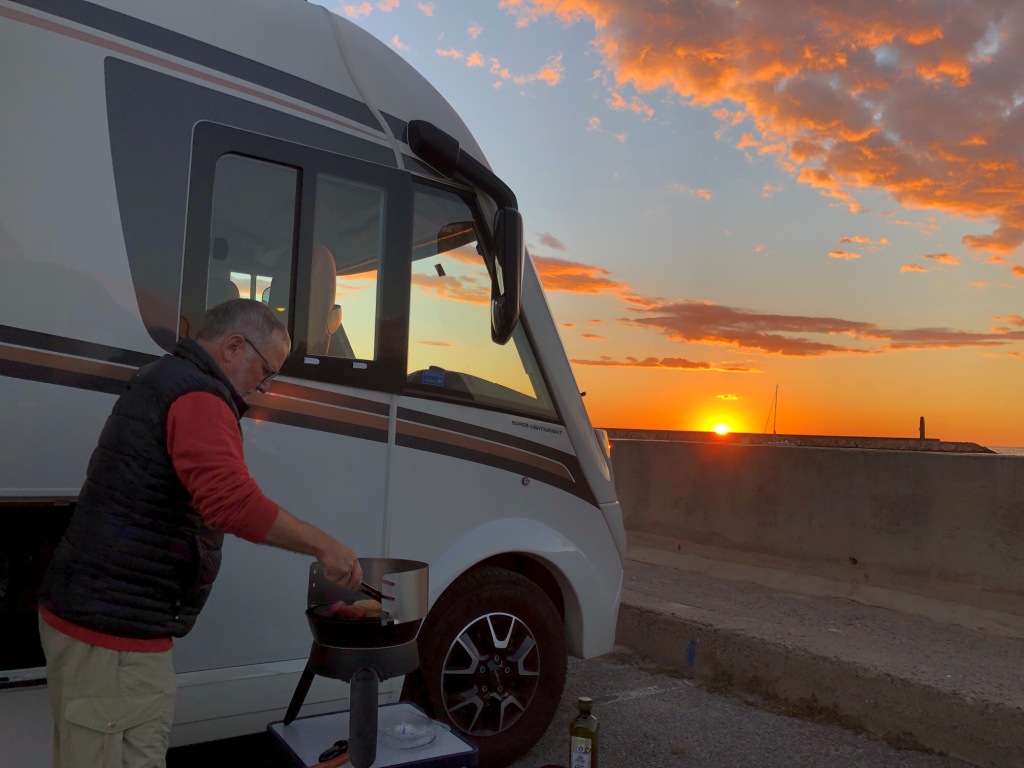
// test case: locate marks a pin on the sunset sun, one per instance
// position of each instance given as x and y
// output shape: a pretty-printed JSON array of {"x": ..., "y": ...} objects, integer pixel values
[{"x": 721, "y": 429}]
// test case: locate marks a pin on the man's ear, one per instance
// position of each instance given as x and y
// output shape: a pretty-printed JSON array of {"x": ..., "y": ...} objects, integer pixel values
[{"x": 232, "y": 346}]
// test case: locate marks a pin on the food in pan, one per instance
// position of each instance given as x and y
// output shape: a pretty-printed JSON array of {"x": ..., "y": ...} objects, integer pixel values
[
  {"x": 372, "y": 607},
  {"x": 343, "y": 610}
]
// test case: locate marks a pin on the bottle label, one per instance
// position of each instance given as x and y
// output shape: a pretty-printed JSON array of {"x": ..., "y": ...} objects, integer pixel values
[{"x": 581, "y": 748}]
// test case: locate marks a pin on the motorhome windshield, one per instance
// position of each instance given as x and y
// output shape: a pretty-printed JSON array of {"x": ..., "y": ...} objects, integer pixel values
[{"x": 451, "y": 353}]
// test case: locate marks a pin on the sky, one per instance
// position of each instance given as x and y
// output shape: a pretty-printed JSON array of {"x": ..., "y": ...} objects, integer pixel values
[{"x": 723, "y": 197}]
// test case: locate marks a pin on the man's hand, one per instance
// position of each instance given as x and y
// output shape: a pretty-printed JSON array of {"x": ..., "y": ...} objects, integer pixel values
[{"x": 341, "y": 565}]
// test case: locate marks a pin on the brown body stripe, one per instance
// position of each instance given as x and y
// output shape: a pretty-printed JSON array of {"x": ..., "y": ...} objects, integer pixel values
[
  {"x": 66, "y": 363},
  {"x": 485, "y": 446}
]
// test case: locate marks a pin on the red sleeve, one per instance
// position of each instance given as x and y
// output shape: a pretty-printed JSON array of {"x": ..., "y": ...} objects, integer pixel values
[{"x": 205, "y": 446}]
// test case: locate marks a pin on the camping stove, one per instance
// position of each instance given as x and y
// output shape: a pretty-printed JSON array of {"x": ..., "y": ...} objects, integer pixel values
[{"x": 366, "y": 651}]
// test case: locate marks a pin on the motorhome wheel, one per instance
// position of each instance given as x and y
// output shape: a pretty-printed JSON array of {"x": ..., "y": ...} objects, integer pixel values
[{"x": 493, "y": 662}]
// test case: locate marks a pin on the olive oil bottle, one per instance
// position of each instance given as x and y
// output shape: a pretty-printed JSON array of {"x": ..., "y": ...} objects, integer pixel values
[{"x": 583, "y": 736}]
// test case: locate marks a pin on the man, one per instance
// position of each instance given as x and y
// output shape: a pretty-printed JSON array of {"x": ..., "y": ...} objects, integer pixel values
[{"x": 165, "y": 482}]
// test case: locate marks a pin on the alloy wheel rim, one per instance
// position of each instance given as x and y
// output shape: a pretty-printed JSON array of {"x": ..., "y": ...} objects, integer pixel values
[{"x": 490, "y": 674}]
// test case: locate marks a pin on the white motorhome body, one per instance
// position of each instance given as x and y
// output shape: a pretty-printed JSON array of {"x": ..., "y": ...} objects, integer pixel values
[{"x": 157, "y": 158}]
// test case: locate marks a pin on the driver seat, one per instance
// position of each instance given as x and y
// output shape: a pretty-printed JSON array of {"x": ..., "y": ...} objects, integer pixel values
[{"x": 322, "y": 309}]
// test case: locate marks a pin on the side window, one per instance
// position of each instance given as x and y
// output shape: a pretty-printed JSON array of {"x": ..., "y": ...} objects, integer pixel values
[
  {"x": 317, "y": 236},
  {"x": 450, "y": 349},
  {"x": 252, "y": 233},
  {"x": 344, "y": 278}
]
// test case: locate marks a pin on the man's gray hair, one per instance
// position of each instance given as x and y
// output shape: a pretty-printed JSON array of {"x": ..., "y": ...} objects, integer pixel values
[{"x": 253, "y": 319}]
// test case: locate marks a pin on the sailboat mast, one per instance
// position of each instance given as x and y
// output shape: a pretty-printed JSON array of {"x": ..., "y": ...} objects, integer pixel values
[
  {"x": 773, "y": 412},
  {"x": 775, "y": 418}
]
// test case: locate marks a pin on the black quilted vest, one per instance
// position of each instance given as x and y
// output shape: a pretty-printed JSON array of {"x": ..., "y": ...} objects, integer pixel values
[{"x": 137, "y": 560}]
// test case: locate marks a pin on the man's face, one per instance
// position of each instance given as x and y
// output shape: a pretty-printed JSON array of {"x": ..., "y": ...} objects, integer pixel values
[{"x": 250, "y": 366}]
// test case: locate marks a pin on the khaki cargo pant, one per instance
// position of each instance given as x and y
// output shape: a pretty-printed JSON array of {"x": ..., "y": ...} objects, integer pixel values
[{"x": 111, "y": 709}]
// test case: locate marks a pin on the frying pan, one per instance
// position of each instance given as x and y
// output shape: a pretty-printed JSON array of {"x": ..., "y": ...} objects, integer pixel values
[
  {"x": 369, "y": 632},
  {"x": 401, "y": 587}
]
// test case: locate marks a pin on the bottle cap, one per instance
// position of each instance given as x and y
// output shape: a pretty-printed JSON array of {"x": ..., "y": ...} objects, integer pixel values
[{"x": 585, "y": 704}]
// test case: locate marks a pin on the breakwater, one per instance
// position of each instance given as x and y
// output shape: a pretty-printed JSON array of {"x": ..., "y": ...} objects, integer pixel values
[{"x": 944, "y": 524}]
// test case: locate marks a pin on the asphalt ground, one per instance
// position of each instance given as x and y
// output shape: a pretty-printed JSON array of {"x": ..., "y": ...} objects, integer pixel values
[
  {"x": 652, "y": 717},
  {"x": 732, "y": 666},
  {"x": 913, "y": 670}
]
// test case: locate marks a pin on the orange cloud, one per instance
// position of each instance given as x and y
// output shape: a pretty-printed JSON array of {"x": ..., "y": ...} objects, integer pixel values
[
  {"x": 465, "y": 254},
  {"x": 918, "y": 100},
  {"x": 427, "y": 8},
  {"x": 843, "y": 255},
  {"x": 500, "y": 71},
  {"x": 573, "y": 277},
  {"x": 397, "y": 43},
  {"x": 702, "y": 322},
  {"x": 701, "y": 193},
  {"x": 728, "y": 397},
  {"x": 618, "y": 103},
  {"x": 943, "y": 258},
  {"x": 1017, "y": 271},
  {"x": 550, "y": 73},
  {"x": 670, "y": 363},
  {"x": 1018, "y": 355},
  {"x": 466, "y": 289},
  {"x": 676, "y": 363},
  {"x": 696, "y": 321},
  {"x": 593, "y": 336},
  {"x": 770, "y": 190},
  {"x": 931, "y": 338},
  {"x": 747, "y": 140},
  {"x": 365, "y": 9},
  {"x": 474, "y": 31},
  {"x": 355, "y": 11},
  {"x": 435, "y": 343},
  {"x": 912, "y": 268}
]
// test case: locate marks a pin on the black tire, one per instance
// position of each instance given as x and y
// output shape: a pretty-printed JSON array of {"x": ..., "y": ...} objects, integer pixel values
[{"x": 505, "y": 700}]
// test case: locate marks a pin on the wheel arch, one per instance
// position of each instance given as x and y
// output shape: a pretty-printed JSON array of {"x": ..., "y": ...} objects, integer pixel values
[
  {"x": 536, "y": 570},
  {"x": 535, "y": 551}
]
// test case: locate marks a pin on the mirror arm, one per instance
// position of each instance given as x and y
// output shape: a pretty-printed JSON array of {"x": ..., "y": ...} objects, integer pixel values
[{"x": 441, "y": 151}]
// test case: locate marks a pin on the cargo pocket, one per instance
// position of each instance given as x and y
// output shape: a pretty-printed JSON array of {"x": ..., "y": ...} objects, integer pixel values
[
  {"x": 116, "y": 713},
  {"x": 94, "y": 735}
]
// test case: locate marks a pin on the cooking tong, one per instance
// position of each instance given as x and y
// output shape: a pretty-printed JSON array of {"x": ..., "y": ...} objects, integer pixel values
[{"x": 376, "y": 594}]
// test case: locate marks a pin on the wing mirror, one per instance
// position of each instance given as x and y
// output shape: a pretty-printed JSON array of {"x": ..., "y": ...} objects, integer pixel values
[
  {"x": 507, "y": 275},
  {"x": 442, "y": 151}
]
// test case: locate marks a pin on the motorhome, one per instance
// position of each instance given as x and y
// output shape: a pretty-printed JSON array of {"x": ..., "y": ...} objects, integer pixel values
[{"x": 157, "y": 158}]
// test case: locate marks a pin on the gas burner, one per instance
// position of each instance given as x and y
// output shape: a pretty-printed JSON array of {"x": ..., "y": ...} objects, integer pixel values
[{"x": 363, "y": 651}]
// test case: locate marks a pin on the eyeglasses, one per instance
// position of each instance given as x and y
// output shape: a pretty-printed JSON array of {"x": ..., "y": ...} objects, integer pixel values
[{"x": 267, "y": 366}]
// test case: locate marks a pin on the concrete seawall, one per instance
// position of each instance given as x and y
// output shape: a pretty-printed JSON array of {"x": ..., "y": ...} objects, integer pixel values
[{"x": 948, "y": 526}]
